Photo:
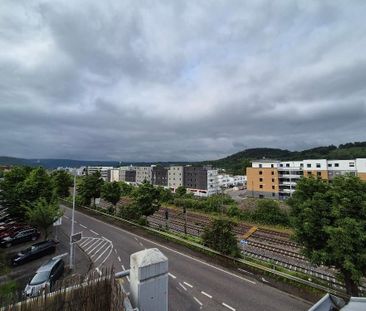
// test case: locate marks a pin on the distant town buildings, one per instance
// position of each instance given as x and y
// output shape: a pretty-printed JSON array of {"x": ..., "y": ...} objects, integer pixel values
[{"x": 278, "y": 179}]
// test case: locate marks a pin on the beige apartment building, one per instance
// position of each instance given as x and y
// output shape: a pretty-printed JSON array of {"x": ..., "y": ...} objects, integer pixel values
[{"x": 278, "y": 179}]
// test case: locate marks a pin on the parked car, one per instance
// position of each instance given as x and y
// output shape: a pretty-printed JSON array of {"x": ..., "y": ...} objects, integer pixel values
[
  {"x": 46, "y": 276},
  {"x": 33, "y": 252},
  {"x": 20, "y": 236},
  {"x": 12, "y": 229}
]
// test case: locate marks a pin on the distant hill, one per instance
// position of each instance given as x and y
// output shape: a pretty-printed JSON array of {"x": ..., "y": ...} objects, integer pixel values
[{"x": 237, "y": 162}]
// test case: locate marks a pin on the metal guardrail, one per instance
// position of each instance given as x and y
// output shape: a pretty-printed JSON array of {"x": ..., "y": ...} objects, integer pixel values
[{"x": 241, "y": 261}]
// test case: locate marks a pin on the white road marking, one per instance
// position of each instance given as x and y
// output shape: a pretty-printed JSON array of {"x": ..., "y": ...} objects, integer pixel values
[
  {"x": 96, "y": 241},
  {"x": 90, "y": 241},
  {"x": 119, "y": 259},
  {"x": 181, "y": 285},
  {"x": 245, "y": 271},
  {"x": 189, "y": 285},
  {"x": 66, "y": 217},
  {"x": 123, "y": 267},
  {"x": 199, "y": 302},
  {"x": 84, "y": 241},
  {"x": 172, "y": 250},
  {"x": 136, "y": 239},
  {"x": 85, "y": 227},
  {"x": 98, "y": 244},
  {"x": 229, "y": 307},
  {"x": 171, "y": 275},
  {"x": 103, "y": 252},
  {"x": 207, "y": 295},
  {"x": 105, "y": 259},
  {"x": 128, "y": 278},
  {"x": 100, "y": 272},
  {"x": 115, "y": 250},
  {"x": 92, "y": 231},
  {"x": 142, "y": 245},
  {"x": 100, "y": 249}
]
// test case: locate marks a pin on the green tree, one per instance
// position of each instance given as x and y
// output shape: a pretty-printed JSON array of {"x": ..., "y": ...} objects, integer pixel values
[
  {"x": 11, "y": 194},
  {"x": 90, "y": 188},
  {"x": 146, "y": 198},
  {"x": 268, "y": 212},
  {"x": 166, "y": 195},
  {"x": 37, "y": 185},
  {"x": 330, "y": 223},
  {"x": 180, "y": 191},
  {"x": 111, "y": 192},
  {"x": 126, "y": 189},
  {"x": 62, "y": 181},
  {"x": 43, "y": 214},
  {"x": 219, "y": 236}
]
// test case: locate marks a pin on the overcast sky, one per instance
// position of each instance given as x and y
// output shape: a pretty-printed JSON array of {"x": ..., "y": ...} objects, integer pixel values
[{"x": 179, "y": 80}]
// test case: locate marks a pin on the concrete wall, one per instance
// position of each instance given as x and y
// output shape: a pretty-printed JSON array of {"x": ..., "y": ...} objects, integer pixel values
[{"x": 175, "y": 177}]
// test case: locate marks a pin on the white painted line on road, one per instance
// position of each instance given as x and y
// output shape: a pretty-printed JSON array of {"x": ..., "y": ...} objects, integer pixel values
[
  {"x": 103, "y": 253},
  {"x": 172, "y": 276},
  {"x": 100, "y": 248},
  {"x": 85, "y": 227},
  {"x": 170, "y": 249},
  {"x": 207, "y": 295},
  {"x": 142, "y": 245},
  {"x": 199, "y": 302},
  {"x": 189, "y": 285},
  {"x": 100, "y": 272},
  {"x": 105, "y": 259},
  {"x": 181, "y": 285},
  {"x": 98, "y": 244},
  {"x": 123, "y": 267},
  {"x": 128, "y": 278},
  {"x": 96, "y": 241},
  {"x": 227, "y": 306},
  {"x": 84, "y": 241},
  {"x": 89, "y": 241},
  {"x": 115, "y": 250},
  {"x": 66, "y": 217},
  {"x": 136, "y": 239},
  {"x": 92, "y": 231},
  {"x": 245, "y": 271},
  {"x": 119, "y": 259}
]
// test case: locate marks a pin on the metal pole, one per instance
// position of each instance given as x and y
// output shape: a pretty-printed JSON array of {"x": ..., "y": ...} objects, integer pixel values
[{"x": 72, "y": 225}]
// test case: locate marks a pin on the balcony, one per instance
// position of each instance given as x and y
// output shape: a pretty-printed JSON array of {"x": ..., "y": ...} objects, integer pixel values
[
  {"x": 293, "y": 176},
  {"x": 288, "y": 183}
]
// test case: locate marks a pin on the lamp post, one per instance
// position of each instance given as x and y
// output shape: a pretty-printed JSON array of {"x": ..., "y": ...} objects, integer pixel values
[{"x": 72, "y": 225}]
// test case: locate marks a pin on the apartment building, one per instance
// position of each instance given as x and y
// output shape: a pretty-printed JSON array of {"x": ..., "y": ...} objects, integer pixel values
[
  {"x": 104, "y": 171},
  {"x": 175, "y": 177},
  {"x": 278, "y": 179},
  {"x": 159, "y": 176},
  {"x": 201, "y": 181},
  {"x": 143, "y": 173},
  {"x": 226, "y": 181},
  {"x": 114, "y": 175}
]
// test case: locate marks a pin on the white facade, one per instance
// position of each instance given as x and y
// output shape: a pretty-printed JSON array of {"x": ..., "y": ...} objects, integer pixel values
[
  {"x": 143, "y": 173},
  {"x": 104, "y": 171},
  {"x": 315, "y": 165},
  {"x": 212, "y": 182},
  {"x": 361, "y": 165},
  {"x": 175, "y": 177},
  {"x": 226, "y": 181},
  {"x": 114, "y": 175},
  {"x": 265, "y": 164}
]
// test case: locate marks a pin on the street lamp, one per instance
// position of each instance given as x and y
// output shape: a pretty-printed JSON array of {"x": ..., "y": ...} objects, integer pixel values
[{"x": 72, "y": 224}]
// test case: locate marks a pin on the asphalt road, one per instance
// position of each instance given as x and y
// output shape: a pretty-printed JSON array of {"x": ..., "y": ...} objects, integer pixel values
[{"x": 194, "y": 284}]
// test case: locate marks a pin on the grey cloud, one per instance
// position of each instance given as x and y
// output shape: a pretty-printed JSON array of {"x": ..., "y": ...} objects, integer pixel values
[{"x": 179, "y": 80}]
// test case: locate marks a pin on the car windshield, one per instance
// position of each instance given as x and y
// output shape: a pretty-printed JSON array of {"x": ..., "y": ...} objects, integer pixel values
[
  {"x": 27, "y": 250},
  {"x": 40, "y": 277}
]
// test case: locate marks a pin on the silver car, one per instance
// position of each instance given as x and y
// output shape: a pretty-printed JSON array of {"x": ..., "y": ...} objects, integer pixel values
[{"x": 45, "y": 277}]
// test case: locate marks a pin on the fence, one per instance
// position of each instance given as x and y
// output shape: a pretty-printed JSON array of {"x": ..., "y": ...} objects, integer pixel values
[{"x": 93, "y": 293}]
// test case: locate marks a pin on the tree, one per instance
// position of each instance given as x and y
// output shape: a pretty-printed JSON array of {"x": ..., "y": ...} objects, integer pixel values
[
  {"x": 219, "y": 236},
  {"x": 268, "y": 212},
  {"x": 330, "y": 223},
  {"x": 37, "y": 185},
  {"x": 11, "y": 194},
  {"x": 90, "y": 188},
  {"x": 111, "y": 192},
  {"x": 146, "y": 198},
  {"x": 180, "y": 191},
  {"x": 126, "y": 189},
  {"x": 62, "y": 181},
  {"x": 43, "y": 214},
  {"x": 166, "y": 195}
]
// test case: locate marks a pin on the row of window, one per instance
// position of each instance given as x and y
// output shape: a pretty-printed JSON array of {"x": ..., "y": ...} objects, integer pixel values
[
  {"x": 308, "y": 165},
  {"x": 261, "y": 172}
]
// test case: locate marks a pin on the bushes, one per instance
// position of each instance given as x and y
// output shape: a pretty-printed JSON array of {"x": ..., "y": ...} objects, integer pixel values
[
  {"x": 215, "y": 203},
  {"x": 269, "y": 212}
]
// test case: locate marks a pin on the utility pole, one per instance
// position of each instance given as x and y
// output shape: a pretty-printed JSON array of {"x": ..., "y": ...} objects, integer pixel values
[
  {"x": 72, "y": 225},
  {"x": 166, "y": 218}
]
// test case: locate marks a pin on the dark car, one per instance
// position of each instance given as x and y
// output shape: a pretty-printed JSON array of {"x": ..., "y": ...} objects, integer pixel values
[
  {"x": 33, "y": 252},
  {"x": 24, "y": 235},
  {"x": 45, "y": 277},
  {"x": 12, "y": 229}
]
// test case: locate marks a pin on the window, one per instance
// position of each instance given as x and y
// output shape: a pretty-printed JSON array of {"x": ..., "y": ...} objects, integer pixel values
[
  {"x": 319, "y": 174},
  {"x": 273, "y": 194},
  {"x": 287, "y": 165},
  {"x": 261, "y": 186},
  {"x": 309, "y": 173},
  {"x": 260, "y": 165},
  {"x": 260, "y": 172},
  {"x": 272, "y": 172},
  {"x": 261, "y": 196},
  {"x": 281, "y": 165},
  {"x": 318, "y": 165},
  {"x": 336, "y": 164},
  {"x": 272, "y": 179},
  {"x": 273, "y": 187},
  {"x": 271, "y": 165},
  {"x": 308, "y": 165},
  {"x": 260, "y": 179},
  {"x": 329, "y": 164},
  {"x": 351, "y": 164}
]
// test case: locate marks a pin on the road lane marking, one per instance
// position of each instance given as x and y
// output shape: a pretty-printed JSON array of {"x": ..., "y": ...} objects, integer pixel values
[
  {"x": 85, "y": 227},
  {"x": 84, "y": 241},
  {"x": 207, "y": 295},
  {"x": 92, "y": 231},
  {"x": 119, "y": 259},
  {"x": 128, "y": 278},
  {"x": 142, "y": 245},
  {"x": 98, "y": 244},
  {"x": 90, "y": 241},
  {"x": 229, "y": 307},
  {"x": 100, "y": 249},
  {"x": 189, "y": 285},
  {"x": 181, "y": 285},
  {"x": 115, "y": 250},
  {"x": 171, "y": 275},
  {"x": 123, "y": 267},
  {"x": 199, "y": 302},
  {"x": 103, "y": 252},
  {"x": 245, "y": 271},
  {"x": 100, "y": 272},
  {"x": 105, "y": 258},
  {"x": 66, "y": 217},
  {"x": 93, "y": 244},
  {"x": 170, "y": 249}
]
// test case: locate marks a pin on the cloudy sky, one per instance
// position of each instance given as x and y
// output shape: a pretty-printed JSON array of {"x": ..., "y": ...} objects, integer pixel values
[{"x": 179, "y": 80}]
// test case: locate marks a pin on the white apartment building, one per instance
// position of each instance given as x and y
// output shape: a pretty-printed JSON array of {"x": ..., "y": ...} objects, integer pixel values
[
  {"x": 175, "y": 177},
  {"x": 104, "y": 171},
  {"x": 114, "y": 175},
  {"x": 226, "y": 181},
  {"x": 143, "y": 173},
  {"x": 212, "y": 182}
]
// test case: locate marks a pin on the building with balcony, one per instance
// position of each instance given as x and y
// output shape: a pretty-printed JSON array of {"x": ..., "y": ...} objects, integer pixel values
[
  {"x": 278, "y": 179},
  {"x": 159, "y": 176},
  {"x": 201, "y": 181},
  {"x": 143, "y": 173},
  {"x": 104, "y": 171},
  {"x": 175, "y": 177}
]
